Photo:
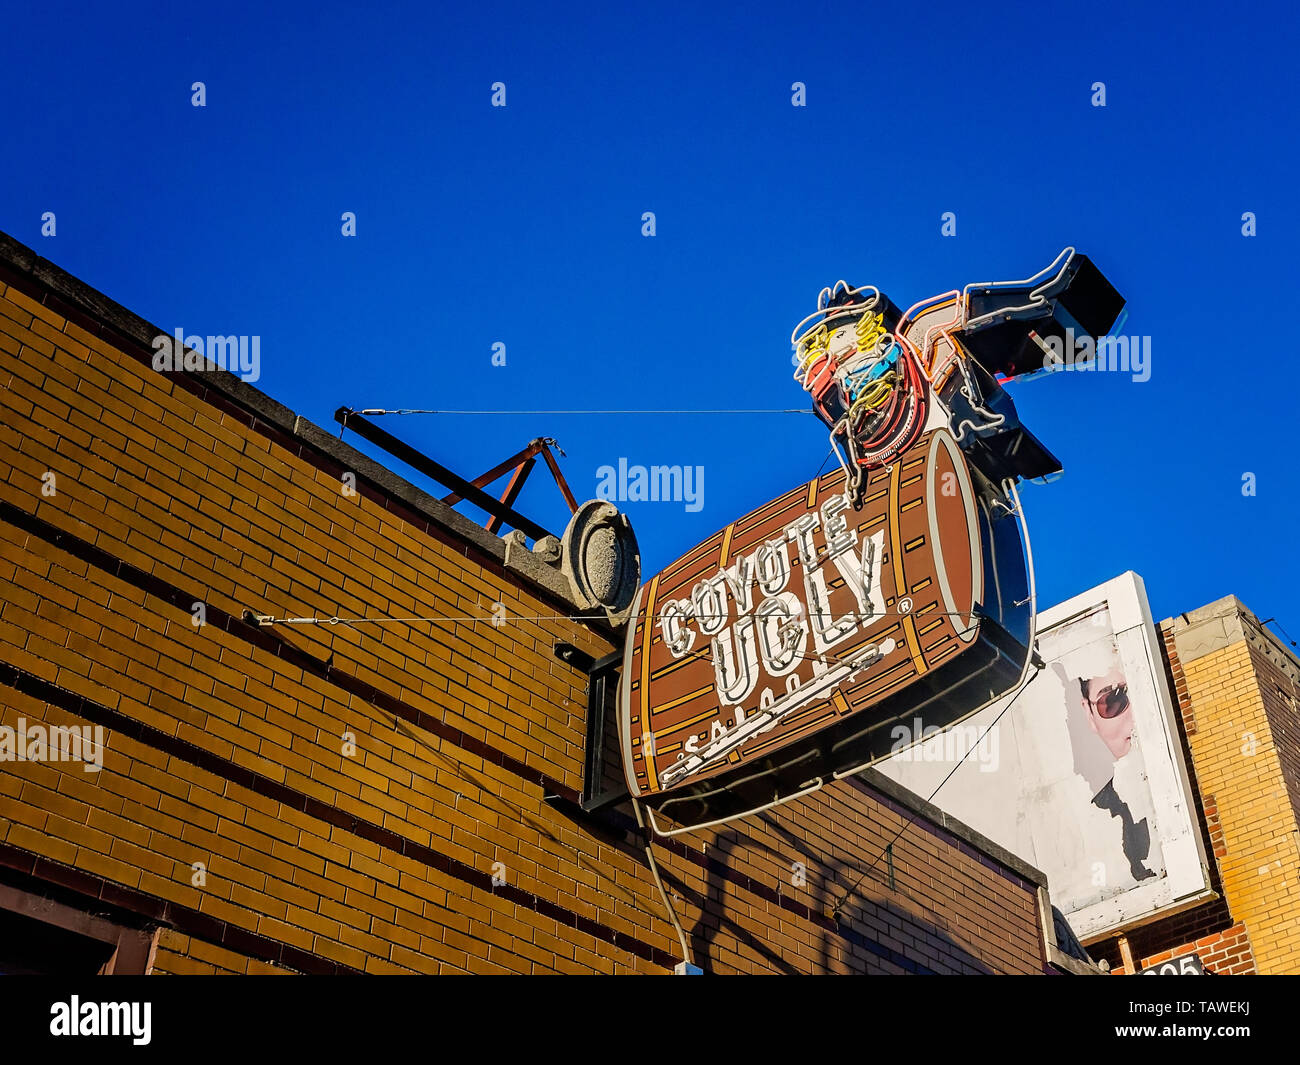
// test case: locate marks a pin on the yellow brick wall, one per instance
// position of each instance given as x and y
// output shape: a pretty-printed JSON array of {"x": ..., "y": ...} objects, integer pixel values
[
  {"x": 182, "y": 955},
  {"x": 1237, "y": 762}
]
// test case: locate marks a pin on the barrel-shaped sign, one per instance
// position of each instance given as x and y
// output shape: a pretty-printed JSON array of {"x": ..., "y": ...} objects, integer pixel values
[{"x": 774, "y": 655}]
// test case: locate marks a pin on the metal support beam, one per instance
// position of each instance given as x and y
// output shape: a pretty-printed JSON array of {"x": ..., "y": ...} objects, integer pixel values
[
  {"x": 601, "y": 674},
  {"x": 485, "y": 479},
  {"x": 559, "y": 479},
  {"x": 367, "y": 430},
  {"x": 511, "y": 493},
  {"x": 541, "y": 446}
]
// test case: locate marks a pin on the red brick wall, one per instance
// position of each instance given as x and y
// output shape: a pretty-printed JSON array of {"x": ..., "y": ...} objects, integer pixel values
[
  {"x": 1225, "y": 953},
  {"x": 226, "y": 742}
]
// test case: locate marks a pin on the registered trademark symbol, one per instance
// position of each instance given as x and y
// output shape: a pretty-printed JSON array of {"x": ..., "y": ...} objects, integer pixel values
[{"x": 905, "y": 605}]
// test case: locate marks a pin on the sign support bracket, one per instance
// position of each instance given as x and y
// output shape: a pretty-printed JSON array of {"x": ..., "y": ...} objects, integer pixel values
[{"x": 602, "y": 679}]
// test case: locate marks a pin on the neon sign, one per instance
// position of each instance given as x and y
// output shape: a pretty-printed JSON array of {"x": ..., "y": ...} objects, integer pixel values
[{"x": 776, "y": 655}]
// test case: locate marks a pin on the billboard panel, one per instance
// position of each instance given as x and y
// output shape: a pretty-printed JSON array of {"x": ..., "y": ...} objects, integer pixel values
[{"x": 1082, "y": 773}]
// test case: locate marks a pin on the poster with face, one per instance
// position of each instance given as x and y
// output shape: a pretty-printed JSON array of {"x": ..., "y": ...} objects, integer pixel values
[
  {"x": 1113, "y": 838},
  {"x": 1082, "y": 774}
]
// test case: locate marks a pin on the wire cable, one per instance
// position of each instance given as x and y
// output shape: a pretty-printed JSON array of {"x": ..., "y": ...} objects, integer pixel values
[
  {"x": 663, "y": 894},
  {"x": 1026, "y": 678},
  {"x": 835, "y": 910},
  {"x": 375, "y": 412}
]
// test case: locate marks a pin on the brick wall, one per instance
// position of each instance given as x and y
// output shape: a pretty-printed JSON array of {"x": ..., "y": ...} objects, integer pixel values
[
  {"x": 1224, "y": 953},
  {"x": 379, "y": 798},
  {"x": 1277, "y": 675},
  {"x": 1237, "y": 761},
  {"x": 1237, "y": 695},
  {"x": 1277, "y": 929}
]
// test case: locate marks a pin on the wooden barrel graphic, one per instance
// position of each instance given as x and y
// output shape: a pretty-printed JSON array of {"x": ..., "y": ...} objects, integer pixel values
[{"x": 771, "y": 656}]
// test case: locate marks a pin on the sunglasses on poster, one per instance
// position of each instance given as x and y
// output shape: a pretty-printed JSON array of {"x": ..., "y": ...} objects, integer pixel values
[{"x": 1110, "y": 702}]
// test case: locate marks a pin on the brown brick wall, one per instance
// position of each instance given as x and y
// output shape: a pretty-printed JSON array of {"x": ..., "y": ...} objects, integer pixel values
[{"x": 226, "y": 742}]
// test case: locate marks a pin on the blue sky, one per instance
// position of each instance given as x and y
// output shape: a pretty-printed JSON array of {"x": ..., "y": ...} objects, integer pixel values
[{"x": 522, "y": 225}]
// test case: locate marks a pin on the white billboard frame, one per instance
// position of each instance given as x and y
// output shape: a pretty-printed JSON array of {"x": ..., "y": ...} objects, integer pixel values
[
  {"x": 1187, "y": 878},
  {"x": 1176, "y": 808}
]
